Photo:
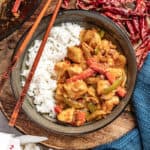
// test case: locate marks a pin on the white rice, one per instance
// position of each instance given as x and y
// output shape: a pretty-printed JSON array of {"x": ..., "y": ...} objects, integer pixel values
[{"x": 42, "y": 86}]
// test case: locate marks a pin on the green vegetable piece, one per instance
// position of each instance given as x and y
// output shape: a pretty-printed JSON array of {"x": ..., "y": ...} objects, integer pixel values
[
  {"x": 96, "y": 51},
  {"x": 91, "y": 107},
  {"x": 113, "y": 86},
  {"x": 101, "y": 33},
  {"x": 73, "y": 104}
]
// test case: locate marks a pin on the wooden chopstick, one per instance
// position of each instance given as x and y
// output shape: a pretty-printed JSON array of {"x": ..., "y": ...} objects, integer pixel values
[
  {"x": 34, "y": 66},
  {"x": 5, "y": 75}
]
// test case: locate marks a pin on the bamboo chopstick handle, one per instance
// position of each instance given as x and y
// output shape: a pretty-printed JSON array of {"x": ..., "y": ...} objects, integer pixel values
[
  {"x": 5, "y": 75},
  {"x": 34, "y": 66}
]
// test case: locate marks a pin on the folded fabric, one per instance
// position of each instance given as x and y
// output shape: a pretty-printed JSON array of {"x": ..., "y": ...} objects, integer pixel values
[{"x": 138, "y": 138}]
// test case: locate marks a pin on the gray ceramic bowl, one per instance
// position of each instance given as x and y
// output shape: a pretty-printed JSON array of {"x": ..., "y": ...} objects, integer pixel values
[{"x": 86, "y": 19}]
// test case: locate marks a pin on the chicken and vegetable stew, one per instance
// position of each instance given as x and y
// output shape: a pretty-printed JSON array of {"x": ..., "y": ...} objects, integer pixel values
[{"x": 91, "y": 79}]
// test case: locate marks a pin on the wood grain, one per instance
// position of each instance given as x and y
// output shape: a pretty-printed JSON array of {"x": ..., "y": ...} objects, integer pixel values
[{"x": 124, "y": 123}]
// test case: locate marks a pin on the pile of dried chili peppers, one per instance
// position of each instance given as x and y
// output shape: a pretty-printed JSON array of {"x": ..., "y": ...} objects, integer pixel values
[{"x": 131, "y": 15}]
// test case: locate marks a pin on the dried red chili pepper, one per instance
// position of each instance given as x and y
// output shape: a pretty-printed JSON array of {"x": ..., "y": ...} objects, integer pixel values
[
  {"x": 109, "y": 2},
  {"x": 86, "y": 5},
  {"x": 130, "y": 28},
  {"x": 148, "y": 6},
  {"x": 117, "y": 10},
  {"x": 132, "y": 32},
  {"x": 143, "y": 27},
  {"x": 121, "y": 25},
  {"x": 142, "y": 51},
  {"x": 117, "y": 3},
  {"x": 135, "y": 22},
  {"x": 16, "y": 6},
  {"x": 66, "y": 3},
  {"x": 136, "y": 38},
  {"x": 115, "y": 17},
  {"x": 140, "y": 7}
]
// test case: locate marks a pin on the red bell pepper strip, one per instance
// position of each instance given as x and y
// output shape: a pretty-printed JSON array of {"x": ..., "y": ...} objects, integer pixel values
[
  {"x": 16, "y": 6},
  {"x": 110, "y": 77},
  {"x": 121, "y": 91},
  {"x": 85, "y": 74},
  {"x": 58, "y": 109},
  {"x": 96, "y": 66}
]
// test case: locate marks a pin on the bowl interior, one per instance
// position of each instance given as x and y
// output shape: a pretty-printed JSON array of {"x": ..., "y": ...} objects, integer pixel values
[{"x": 87, "y": 20}]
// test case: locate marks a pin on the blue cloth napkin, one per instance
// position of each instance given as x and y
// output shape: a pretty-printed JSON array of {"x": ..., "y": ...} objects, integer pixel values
[{"x": 138, "y": 138}]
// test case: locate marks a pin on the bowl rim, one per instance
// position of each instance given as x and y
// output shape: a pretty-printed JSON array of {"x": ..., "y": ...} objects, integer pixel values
[{"x": 70, "y": 130}]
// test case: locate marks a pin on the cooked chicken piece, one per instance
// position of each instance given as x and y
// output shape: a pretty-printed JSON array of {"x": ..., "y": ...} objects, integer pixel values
[
  {"x": 92, "y": 99},
  {"x": 84, "y": 65},
  {"x": 99, "y": 58},
  {"x": 91, "y": 37},
  {"x": 87, "y": 50},
  {"x": 120, "y": 61},
  {"x": 96, "y": 114},
  {"x": 108, "y": 96},
  {"x": 104, "y": 45},
  {"x": 92, "y": 80},
  {"x": 74, "y": 70},
  {"x": 91, "y": 91},
  {"x": 88, "y": 35},
  {"x": 110, "y": 61},
  {"x": 96, "y": 39},
  {"x": 114, "y": 53},
  {"x": 116, "y": 72},
  {"x": 66, "y": 115},
  {"x": 75, "y": 54},
  {"x": 82, "y": 34},
  {"x": 61, "y": 68},
  {"x": 59, "y": 92},
  {"x": 112, "y": 46},
  {"x": 101, "y": 86},
  {"x": 76, "y": 89},
  {"x": 108, "y": 105},
  {"x": 105, "y": 58}
]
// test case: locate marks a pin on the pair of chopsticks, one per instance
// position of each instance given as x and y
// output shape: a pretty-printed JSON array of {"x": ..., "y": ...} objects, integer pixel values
[{"x": 37, "y": 58}]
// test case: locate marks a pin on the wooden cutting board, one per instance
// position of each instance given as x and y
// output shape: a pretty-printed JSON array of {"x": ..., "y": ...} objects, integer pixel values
[{"x": 123, "y": 124}]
